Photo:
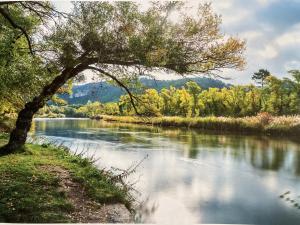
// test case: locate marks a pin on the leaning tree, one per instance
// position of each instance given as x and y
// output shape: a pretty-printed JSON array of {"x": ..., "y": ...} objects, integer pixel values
[{"x": 121, "y": 40}]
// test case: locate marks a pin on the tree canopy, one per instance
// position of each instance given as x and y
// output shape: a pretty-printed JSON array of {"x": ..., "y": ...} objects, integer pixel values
[
  {"x": 22, "y": 71},
  {"x": 261, "y": 76}
]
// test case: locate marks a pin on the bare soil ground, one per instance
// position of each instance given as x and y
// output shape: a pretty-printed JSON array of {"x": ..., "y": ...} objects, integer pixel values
[{"x": 85, "y": 209}]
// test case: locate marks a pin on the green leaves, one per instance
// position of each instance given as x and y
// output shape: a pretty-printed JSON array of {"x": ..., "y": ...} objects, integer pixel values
[
  {"x": 22, "y": 75},
  {"x": 122, "y": 31},
  {"x": 261, "y": 76}
]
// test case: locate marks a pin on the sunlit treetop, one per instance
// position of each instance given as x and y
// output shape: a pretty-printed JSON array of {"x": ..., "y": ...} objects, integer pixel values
[{"x": 117, "y": 36}]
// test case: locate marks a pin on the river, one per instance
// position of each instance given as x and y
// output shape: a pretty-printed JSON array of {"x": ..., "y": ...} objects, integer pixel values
[{"x": 188, "y": 176}]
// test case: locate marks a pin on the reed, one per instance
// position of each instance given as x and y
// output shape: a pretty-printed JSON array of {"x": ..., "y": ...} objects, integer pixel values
[{"x": 262, "y": 123}]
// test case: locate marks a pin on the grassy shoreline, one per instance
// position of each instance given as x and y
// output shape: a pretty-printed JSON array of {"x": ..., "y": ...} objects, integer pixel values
[
  {"x": 47, "y": 184},
  {"x": 261, "y": 124}
]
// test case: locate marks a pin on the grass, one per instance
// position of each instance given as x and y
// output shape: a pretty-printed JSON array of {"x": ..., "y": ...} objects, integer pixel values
[
  {"x": 263, "y": 123},
  {"x": 30, "y": 194}
]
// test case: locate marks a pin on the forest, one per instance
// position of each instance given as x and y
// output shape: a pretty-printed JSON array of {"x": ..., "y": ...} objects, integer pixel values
[
  {"x": 105, "y": 91},
  {"x": 272, "y": 95}
]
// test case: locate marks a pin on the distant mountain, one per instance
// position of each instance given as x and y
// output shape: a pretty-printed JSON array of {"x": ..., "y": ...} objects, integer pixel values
[{"x": 105, "y": 92}]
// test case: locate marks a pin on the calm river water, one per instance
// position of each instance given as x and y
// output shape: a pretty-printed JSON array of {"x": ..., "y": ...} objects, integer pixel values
[{"x": 193, "y": 177}]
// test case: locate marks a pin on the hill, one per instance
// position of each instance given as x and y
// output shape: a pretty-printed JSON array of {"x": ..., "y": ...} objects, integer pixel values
[{"x": 105, "y": 92}]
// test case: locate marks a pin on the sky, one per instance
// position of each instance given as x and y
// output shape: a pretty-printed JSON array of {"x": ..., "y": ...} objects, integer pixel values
[{"x": 271, "y": 29}]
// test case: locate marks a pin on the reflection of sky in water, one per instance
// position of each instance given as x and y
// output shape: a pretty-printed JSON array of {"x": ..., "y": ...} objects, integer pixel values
[{"x": 191, "y": 177}]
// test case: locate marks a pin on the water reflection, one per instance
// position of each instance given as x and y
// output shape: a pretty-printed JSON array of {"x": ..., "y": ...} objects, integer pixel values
[{"x": 194, "y": 177}]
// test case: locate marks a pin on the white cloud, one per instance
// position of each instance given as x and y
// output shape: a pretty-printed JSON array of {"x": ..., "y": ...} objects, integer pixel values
[
  {"x": 269, "y": 52},
  {"x": 230, "y": 11},
  {"x": 266, "y": 2},
  {"x": 236, "y": 17},
  {"x": 292, "y": 65},
  {"x": 65, "y": 6},
  {"x": 292, "y": 37},
  {"x": 223, "y": 4},
  {"x": 251, "y": 35}
]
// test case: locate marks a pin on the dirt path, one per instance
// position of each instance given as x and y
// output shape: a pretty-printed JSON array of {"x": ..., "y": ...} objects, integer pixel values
[{"x": 86, "y": 210}]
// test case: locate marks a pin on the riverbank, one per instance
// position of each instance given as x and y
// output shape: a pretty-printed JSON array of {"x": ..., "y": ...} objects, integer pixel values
[
  {"x": 263, "y": 123},
  {"x": 47, "y": 184}
]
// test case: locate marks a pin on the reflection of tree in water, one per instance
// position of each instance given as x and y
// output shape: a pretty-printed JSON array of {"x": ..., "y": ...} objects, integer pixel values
[
  {"x": 261, "y": 152},
  {"x": 193, "y": 143},
  {"x": 296, "y": 163},
  {"x": 268, "y": 159}
]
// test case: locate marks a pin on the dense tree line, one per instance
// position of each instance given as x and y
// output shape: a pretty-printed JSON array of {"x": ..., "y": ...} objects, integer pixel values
[{"x": 273, "y": 95}]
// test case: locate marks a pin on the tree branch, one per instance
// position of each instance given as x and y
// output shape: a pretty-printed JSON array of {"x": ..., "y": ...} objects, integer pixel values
[
  {"x": 8, "y": 2},
  {"x": 16, "y": 26},
  {"x": 131, "y": 96}
]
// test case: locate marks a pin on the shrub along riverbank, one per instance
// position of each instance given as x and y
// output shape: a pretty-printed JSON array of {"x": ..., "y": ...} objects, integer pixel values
[
  {"x": 47, "y": 184},
  {"x": 262, "y": 123}
]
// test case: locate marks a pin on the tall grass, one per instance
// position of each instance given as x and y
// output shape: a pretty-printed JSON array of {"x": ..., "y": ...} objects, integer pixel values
[{"x": 262, "y": 123}]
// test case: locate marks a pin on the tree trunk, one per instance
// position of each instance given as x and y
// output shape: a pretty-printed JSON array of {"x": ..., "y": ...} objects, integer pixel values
[{"x": 19, "y": 135}]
